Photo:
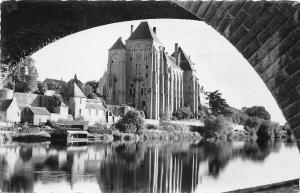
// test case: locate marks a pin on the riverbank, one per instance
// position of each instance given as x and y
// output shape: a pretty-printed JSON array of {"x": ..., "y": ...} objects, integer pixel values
[{"x": 289, "y": 186}]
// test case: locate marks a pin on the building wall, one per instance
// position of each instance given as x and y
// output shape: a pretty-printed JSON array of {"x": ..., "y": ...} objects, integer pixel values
[
  {"x": 38, "y": 119},
  {"x": 188, "y": 88},
  {"x": 116, "y": 69},
  {"x": 61, "y": 111},
  {"x": 101, "y": 89},
  {"x": 95, "y": 115},
  {"x": 142, "y": 80},
  {"x": 76, "y": 106},
  {"x": 3, "y": 116},
  {"x": 13, "y": 113}
]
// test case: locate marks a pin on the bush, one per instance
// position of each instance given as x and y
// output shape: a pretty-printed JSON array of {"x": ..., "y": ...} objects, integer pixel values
[
  {"x": 165, "y": 114},
  {"x": 168, "y": 126},
  {"x": 131, "y": 122},
  {"x": 99, "y": 128},
  {"x": 217, "y": 127},
  {"x": 183, "y": 113},
  {"x": 252, "y": 125},
  {"x": 265, "y": 130},
  {"x": 152, "y": 127}
]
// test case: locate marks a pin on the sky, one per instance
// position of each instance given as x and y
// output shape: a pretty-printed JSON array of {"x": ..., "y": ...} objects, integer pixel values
[{"x": 219, "y": 65}]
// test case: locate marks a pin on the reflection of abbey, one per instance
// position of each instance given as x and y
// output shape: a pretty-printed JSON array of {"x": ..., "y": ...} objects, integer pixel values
[{"x": 140, "y": 73}]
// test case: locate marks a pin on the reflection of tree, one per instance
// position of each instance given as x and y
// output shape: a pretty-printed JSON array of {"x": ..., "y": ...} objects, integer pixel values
[
  {"x": 258, "y": 150},
  {"x": 219, "y": 155},
  {"x": 25, "y": 153},
  {"x": 19, "y": 182},
  {"x": 131, "y": 154}
]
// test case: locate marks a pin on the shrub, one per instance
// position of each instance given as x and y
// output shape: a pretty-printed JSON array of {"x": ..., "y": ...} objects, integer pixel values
[
  {"x": 152, "y": 127},
  {"x": 131, "y": 122},
  {"x": 217, "y": 127},
  {"x": 252, "y": 125},
  {"x": 165, "y": 114},
  {"x": 183, "y": 113},
  {"x": 266, "y": 130},
  {"x": 168, "y": 126}
]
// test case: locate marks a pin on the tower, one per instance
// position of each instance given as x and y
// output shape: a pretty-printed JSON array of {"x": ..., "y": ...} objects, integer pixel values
[
  {"x": 75, "y": 99},
  {"x": 116, "y": 73},
  {"x": 142, "y": 80}
]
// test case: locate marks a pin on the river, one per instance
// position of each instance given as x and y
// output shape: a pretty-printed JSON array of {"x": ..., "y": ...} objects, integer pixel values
[{"x": 145, "y": 167}]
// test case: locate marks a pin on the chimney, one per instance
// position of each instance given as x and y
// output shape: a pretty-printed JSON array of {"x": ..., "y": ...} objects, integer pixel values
[
  {"x": 131, "y": 29},
  {"x": 176, "y": 47},
  {"x": 154, "y": 30}
]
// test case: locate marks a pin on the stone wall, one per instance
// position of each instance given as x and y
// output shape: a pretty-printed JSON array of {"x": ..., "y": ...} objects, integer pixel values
[{"x": 116, "y": 73}]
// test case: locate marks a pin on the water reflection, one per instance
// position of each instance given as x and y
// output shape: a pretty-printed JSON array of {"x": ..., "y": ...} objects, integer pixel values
[{"x": 143, "y": 167}]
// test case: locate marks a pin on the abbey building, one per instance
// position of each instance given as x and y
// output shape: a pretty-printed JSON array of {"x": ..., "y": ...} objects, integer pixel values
[{"x": 140, "y": 73}]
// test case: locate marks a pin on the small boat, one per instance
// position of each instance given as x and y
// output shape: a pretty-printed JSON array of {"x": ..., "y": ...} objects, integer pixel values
[{"x": 69, "y": 135}]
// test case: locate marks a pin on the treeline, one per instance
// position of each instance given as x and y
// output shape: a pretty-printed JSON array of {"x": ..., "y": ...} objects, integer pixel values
[{"x": 24, "y": 78}]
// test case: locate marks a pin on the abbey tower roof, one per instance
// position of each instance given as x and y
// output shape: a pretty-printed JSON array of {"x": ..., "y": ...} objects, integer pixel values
[
  {"x": 74, "y": 91},
  {"x": 118, "y": 44},
  {"x": 143, "y": 31}
]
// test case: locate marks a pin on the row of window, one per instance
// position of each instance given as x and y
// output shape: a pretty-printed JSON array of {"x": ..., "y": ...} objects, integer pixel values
[{"x": 90, "y": 112}]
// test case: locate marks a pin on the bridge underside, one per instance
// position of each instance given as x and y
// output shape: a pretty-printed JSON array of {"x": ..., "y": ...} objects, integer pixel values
[{"x": 267, "y": 34}]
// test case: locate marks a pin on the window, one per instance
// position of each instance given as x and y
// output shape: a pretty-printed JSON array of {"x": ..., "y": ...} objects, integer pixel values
[{"x": 112, "y": 61}]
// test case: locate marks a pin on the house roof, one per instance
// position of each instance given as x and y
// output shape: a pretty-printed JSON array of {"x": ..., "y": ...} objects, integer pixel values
[
  {"x": 61, "y": 82},
  {"x": 74, "y": 91},
  {"x": 4, "y": 104},
  {"x": 118, "y": 44},
  {"x": 72, "y": 122},
  {"x": 143, "y": 31},
  {"x": 39, "y": 110},
  {"x": 97, "y": 106},
  {"x": 26, "y": 99}
]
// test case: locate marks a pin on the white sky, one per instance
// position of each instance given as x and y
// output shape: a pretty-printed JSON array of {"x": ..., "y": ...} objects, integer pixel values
[{"x": 220, "y": 66}]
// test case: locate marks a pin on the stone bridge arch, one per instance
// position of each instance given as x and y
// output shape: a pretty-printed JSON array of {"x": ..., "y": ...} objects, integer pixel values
[{"x": 266, "y": 33}]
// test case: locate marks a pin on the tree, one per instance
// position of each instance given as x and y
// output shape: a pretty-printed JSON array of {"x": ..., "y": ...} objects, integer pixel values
[
  {"x": 40, "y": 88},
  {"x": 131, "y": 122},
  {"x": 183, "y": 113},
  {"x": 217, "y": 104},
  {"x": 24, "y": 76},
  {"x": 88, "y": 91},
  {"x": 258, "y": 111},
  {"x": 94, "y": 84}
]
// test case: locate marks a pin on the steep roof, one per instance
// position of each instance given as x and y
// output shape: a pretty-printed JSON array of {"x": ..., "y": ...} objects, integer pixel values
[
  {"x": 171, "y": 60},
  {"x": 185, "y": 61},
  {"x": 118, "y": 44},
  {"x": 74, "y": 91},
  {"x": 143, "y": 31},
  {"x": 39, "y": 110},
  {"x": 54, "y": 80},
  {"x": 26, "y": 99},
  {"x": 4, "y": 104}
]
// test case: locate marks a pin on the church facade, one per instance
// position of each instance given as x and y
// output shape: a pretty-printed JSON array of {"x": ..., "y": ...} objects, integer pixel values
[{"x": 140, "y": 73}]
